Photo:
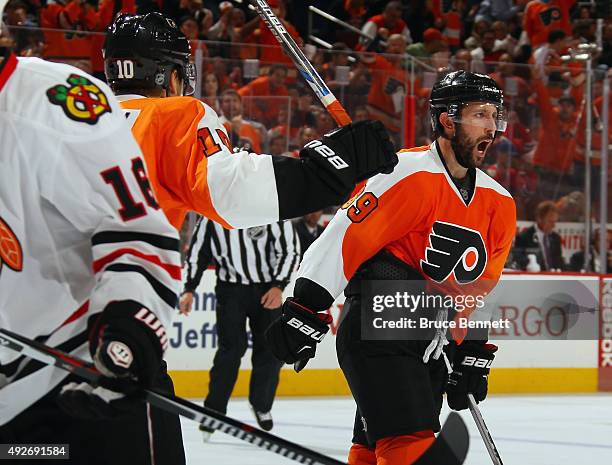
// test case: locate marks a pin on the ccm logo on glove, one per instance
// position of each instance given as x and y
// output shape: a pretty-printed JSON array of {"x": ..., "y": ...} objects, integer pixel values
[
  {"x": 120, "y": 354},
  {"x": 327, "y": 153},
  {"x": 297, "y": 324},
  {"x": 477, "y": 362}
]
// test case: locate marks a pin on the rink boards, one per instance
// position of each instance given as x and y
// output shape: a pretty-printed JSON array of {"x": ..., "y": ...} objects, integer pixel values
[{"x": 534, "y": 356}]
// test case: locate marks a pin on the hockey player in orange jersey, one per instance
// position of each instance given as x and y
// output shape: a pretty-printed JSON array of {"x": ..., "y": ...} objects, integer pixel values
[
  {"x": 189, "y": 156},
  {"x": 436, "y": 220}
]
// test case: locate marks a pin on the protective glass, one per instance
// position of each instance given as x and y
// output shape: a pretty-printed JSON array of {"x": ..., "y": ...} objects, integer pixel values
[
  {"x": 482, "y": 114},
  {"x": 189, "y": 79}
]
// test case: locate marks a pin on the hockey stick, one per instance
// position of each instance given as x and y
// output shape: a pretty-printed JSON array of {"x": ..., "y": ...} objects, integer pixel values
[
  {"x": 449, "y": 448},
  {"x": 316, "y": 83},
  {"x": 484, "y": 431},
  {"x": 170, "y": 403}
]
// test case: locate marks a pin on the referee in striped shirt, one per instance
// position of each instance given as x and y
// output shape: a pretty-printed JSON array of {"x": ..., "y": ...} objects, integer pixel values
[{"x": 253, "y": 267}]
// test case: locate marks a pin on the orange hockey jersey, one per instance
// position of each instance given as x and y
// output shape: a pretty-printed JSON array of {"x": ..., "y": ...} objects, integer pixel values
[
  {"x": 191, "y": 166},
  {"x": 417, "y": 214}
]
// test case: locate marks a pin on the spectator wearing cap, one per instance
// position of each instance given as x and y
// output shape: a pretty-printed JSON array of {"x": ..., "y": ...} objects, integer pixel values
[
  {"x": 433, "y": 42},
  {"x": 222, "y": 29},
  {"x": 383, "y": 26}
]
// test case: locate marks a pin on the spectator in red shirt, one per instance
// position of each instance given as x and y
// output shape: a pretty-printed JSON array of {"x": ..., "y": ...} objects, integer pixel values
[
  {"x": 556, "y": 147},
  {"x": 389, "y": 84},
  {"x": 385, "y": 25},
  {"x": 270, "y": 51},
  {"x": 542, "y": 16},
  {"x": 266, "y": 109}
]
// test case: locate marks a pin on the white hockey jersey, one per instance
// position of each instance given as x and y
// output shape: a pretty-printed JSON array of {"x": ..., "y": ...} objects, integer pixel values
[{"x": 79, "y": 226}]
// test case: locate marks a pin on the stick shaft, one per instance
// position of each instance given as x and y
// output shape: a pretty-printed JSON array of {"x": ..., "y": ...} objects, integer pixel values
[
  {"x": 316, "y": 83},
  {"x": 170, "y": 403},
  {"x": 484, "y": 431}
]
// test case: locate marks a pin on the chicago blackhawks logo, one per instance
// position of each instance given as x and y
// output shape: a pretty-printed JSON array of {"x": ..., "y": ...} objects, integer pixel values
[
  {"x": 83, "y": 101},
  {"x": 454, "y": 249},
  {"x": 10, "y": 249}
]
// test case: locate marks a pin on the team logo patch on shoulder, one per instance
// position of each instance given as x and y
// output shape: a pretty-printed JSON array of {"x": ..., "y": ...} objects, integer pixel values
[
  {"x": 454, "y": 249},
  {"x": 82, "y": 100},
  {"x": 11, "y": 253}
]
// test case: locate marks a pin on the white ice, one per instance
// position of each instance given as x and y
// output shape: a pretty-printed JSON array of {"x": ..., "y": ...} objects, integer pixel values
[{"x": 528, "y": 430}]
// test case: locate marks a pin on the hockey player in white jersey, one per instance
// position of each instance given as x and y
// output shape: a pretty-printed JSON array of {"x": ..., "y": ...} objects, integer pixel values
[{"x": 78, "y": 270}]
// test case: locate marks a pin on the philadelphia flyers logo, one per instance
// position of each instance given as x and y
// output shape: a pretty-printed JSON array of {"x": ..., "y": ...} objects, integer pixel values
[
  {"x": 550, "y": 15},
  {"x": 454, "y": 249}
]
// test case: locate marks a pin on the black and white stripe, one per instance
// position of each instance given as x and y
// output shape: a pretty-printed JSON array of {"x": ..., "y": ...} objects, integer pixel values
[{"x": 261, "y": 254}]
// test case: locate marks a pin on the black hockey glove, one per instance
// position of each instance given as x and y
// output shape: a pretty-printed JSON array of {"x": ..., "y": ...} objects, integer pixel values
[
  {"x": 354, "y": 152},
  {"x": 126, "y": 344},
  {"x": 294, "y": 336},
  {"x": 471, "y": 365}
]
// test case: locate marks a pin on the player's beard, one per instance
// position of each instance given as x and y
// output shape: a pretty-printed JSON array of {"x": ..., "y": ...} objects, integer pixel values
[{"x": 464, "y": 148}]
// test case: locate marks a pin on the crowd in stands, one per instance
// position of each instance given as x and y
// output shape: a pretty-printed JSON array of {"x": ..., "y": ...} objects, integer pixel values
[{"x": 402, "y": 48}]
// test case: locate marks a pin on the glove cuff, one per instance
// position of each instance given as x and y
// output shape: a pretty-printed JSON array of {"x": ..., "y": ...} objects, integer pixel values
[
  {"x": 475, "y": 356},
  {"x": 293, "y": 306}
]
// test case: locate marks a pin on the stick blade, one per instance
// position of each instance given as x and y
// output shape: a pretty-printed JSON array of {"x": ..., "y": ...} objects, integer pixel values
[{"x": 451, "y": 445}]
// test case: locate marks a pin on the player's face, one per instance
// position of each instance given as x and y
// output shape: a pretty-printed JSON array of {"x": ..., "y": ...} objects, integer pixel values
[{"x": 474, "y": 135}]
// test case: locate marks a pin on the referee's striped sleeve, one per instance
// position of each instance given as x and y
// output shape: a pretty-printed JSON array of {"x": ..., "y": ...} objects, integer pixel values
[
  {"x": 199, "y": 255},
  {"x": 287, "y": 248}
]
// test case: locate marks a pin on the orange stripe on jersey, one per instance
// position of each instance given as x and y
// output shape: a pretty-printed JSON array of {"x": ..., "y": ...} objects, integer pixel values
[{"x": 422, "y": 148}]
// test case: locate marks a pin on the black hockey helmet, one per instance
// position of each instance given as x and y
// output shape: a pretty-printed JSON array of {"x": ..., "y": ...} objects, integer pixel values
[
  {"x": 140, "y": 51},
  {"x": 458, "y": 88}
]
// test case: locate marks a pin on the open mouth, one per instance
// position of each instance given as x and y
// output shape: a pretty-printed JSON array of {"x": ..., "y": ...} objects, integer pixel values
[{"x": 483, "y": 146}]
